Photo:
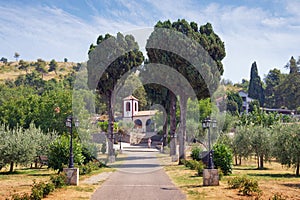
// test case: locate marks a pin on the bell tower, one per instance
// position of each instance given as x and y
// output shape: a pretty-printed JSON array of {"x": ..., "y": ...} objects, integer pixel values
[{"x": 130, "y": 106}]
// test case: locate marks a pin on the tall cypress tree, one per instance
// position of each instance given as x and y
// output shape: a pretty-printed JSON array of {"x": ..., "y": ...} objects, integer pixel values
[{"x": 256, "y": 90}]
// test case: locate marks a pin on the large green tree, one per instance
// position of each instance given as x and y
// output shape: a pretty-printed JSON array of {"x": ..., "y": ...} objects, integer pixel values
[
  {"x": 272, "y": 80},
  {"x": 53, "y": 66},
  {"x": 41, "y": 67},
  {"x": 288, "y": 92},
  {"x": 113, "y": 56},
  {"x": 23, "y": 65},
  {"x": 204, "y": 36},
  {"x": 21, "y": 146},
  {"x": 241, "y": 144},
  {"x": 258, "y": 126},
  {"x": 234, "y": 103},
  {"x": 256, "y": 90},
  {"x": 293, "y": 66},
  {"x": 286, "y": 145},
  {"x": 53, "y": 109}
]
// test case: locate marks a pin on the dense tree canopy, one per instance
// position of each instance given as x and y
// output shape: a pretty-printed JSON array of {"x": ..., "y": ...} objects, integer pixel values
[
  {"x": 272, "y": 80},
  {"x": 287, "y": 146},
  {"x": 125, "y": 56},
  {"x": 21, "y": 146},
  {"x": 167, "y": 55}
]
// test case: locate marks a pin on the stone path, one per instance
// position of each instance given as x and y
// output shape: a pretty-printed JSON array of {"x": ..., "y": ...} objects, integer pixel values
[
  {"x": 97, "y": 178},
  {"x": 140, "y": 177}
]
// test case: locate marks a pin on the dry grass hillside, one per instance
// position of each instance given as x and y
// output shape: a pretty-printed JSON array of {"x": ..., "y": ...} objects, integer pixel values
[{"x": 11, "y": 71}]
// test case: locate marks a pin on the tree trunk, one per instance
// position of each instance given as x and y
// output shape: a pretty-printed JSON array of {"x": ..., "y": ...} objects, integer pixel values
[
  {"x": 110, "y": 130},
  {"x": 297, "y": 168},
  {"x": 236, "y": 159},
  {"x": 11, "y": 169},
  {"x": 172, "y": 124},
  {"x": 165, "y": 133},
  {"x": 257, "y": 161},
  {"x": 261, "y": 161},
  {"x": 240, "y": 157},
  {"x": 182, "y": 133}
]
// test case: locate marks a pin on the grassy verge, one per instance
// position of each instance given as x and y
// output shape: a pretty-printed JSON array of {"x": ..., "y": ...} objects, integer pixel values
[
  {"x": 84, "y": 191},
  {"x": 22, "y": 179},
  {"x": 275, "y": 179}
]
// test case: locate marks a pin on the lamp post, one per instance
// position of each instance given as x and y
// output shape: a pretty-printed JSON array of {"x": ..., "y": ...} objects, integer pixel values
[
  {"x": 69, "y": 123},
  {"x": 207, "y": 124}
]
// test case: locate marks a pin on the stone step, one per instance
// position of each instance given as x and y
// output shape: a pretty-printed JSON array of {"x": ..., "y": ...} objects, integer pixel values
[{"x": 139, "y": 149}]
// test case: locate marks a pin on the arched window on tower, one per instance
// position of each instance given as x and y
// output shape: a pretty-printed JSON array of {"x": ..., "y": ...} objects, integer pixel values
[{"x": 128, "y": 106}]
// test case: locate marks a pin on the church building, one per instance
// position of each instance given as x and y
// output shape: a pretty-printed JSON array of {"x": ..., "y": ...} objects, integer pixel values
[{"x": 143, "y": 120}]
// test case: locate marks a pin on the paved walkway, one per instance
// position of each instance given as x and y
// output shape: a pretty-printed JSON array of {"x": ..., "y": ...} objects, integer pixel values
[{"x": 140, "y": 177}]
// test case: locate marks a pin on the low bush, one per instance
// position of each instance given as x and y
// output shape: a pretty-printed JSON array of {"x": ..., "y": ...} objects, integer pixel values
[
  {"x": 246, "y": 186},
  {"x": 59, "y": 180},
  {"x": 90, "y": 166},
  {"x": 278, "y": 196},
  {"x": 24, "y": 196},
  {"x": 236, "y": 182},
  {"x": 222, "y": 158},
  {"x": 194, "y": 165},
  {"x": 195, "y": 154},
  {"x": 49, "y": 187},
  {"x": 37, "y": 191}
]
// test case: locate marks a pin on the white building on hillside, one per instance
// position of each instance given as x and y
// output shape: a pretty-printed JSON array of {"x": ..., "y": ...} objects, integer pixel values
[{"x": 246, "y": 101}]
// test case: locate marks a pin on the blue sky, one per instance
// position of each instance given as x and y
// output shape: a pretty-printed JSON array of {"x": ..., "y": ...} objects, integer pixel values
[{"x": 264, "y": 31}]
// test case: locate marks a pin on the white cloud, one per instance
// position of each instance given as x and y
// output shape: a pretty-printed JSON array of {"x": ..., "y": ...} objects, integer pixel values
[
  {"x": 254, "y": 34},
  {"x": 293, "y": 7},
  {"x": 44, "y": 32}
]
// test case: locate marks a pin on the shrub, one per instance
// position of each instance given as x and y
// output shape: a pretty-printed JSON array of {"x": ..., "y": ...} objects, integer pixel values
[
  {"x": 59, "y": 180},
  {"x": 84, "y": 169},
  {"x": 49, "y": 187},
  {"x": 191, "y": 164},
  {"x": 222, "y": 158},
  {"x": 236, "y": 182},
  {"x": 59, "y": 149},
  {"x": 37, "y": 191},
  {"x": 245, "y": 185},
  {"x": 194, "y": 165},
  {"x": 278, "y": 196},
  {"x": 195, "y": 154},
  {"x": 199, "y": 168},
  {"x": 183, "y": 161},
  {"x": 89, "y": 167},
  {"x": 89, "y": 152},
  {"x": 24, "y": 196},
  {"x": 250, "y": 187}
]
